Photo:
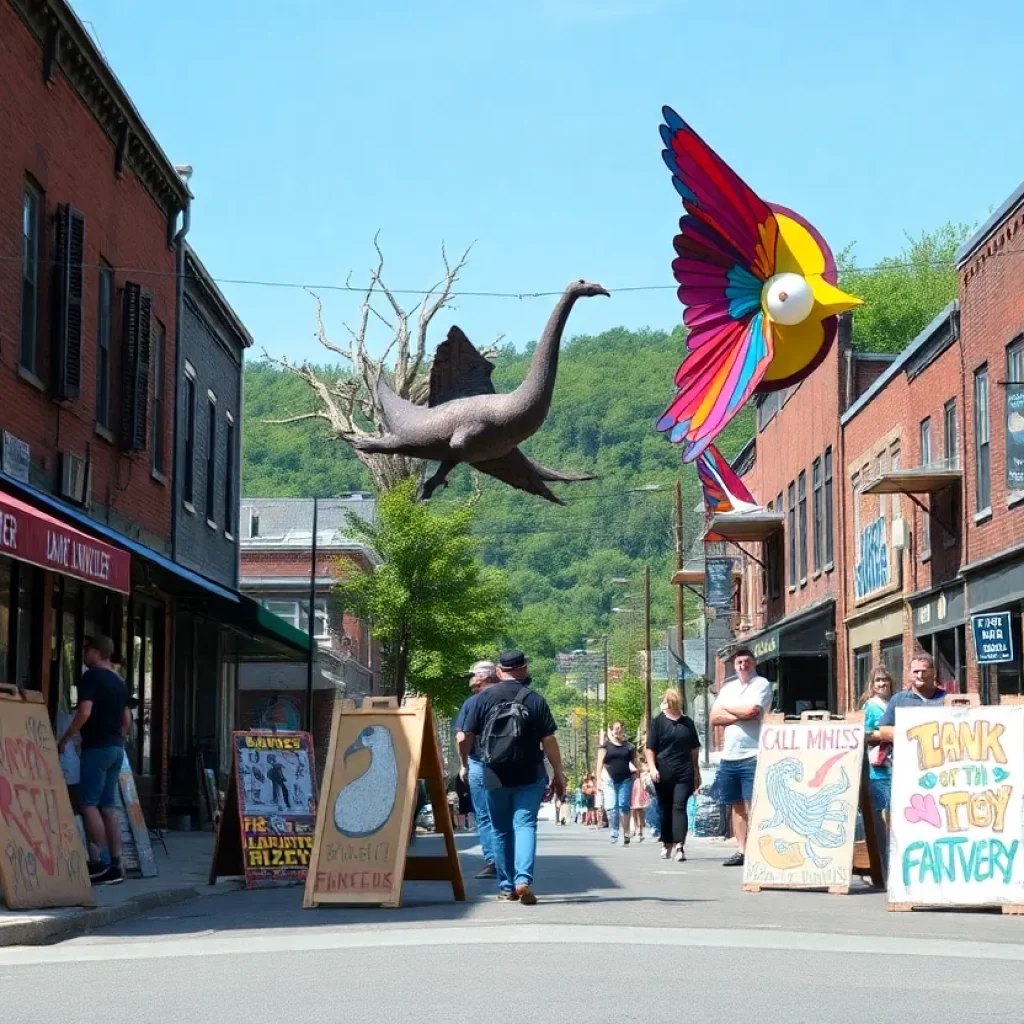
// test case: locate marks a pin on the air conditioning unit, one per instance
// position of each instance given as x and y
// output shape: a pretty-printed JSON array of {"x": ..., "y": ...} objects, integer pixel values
[
  {"x": 899, "y": 534},
  {"x": 75, "y": 478}
]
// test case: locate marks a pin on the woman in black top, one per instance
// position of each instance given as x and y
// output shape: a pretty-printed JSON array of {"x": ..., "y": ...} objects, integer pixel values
[
  {"x": 672, "y": 752},
  {"x": 618, "y": 757}
]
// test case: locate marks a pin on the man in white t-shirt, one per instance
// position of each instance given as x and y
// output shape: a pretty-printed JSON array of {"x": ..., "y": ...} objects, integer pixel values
[{"x": 739, "y": 708}]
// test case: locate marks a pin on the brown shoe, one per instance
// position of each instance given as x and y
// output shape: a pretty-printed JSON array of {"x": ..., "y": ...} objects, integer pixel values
[
  {"x": 525, "y": 896},
  {"x": 508, "y": 897}
]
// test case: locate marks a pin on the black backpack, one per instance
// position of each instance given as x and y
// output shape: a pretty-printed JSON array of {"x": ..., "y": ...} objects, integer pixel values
[{"x": 504, "y": 741}]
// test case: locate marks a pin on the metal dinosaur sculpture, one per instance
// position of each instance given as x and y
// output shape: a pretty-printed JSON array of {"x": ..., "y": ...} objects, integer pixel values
[{"x": 467, "y": 421}]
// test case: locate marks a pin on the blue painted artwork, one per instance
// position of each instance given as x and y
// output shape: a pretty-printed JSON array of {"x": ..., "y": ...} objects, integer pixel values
[{"x": 871, "y": 572}]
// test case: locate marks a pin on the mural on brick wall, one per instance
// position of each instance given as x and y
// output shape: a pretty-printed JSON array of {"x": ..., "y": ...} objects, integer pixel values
[{"x": 759, "y": 286}]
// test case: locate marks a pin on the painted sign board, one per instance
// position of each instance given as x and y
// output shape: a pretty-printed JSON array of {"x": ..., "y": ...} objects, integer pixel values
[
  {"x": 956, "y": 814},
  {"x": 993, "y": 637}
]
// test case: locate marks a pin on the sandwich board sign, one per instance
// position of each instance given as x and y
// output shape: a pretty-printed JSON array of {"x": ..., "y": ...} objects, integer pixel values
[
  {"x": 378, "y": 753},
  {"x": 957, "y": 820},
  {"x": 42, "y": 860},
  {"x": 266, "y": 829},
  {"x": 803, "y": 817}
]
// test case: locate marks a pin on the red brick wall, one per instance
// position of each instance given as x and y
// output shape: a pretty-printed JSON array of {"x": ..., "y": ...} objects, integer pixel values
[
  {"x": 893, "y": 418},
  {"x": 991, "y": 317},
  {"x": 50, "y": 135}
]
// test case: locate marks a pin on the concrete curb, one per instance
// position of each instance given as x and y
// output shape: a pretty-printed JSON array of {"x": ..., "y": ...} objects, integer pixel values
[{"x": 42, "y": 931}]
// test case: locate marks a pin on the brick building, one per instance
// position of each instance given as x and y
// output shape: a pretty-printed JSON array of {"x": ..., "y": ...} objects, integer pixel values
[
  {"x": 276, "y": 543},
  {"x": 788, "y": 597},
  {"x": 991, "y": 269},
  {"x": 90, "y": 322}
]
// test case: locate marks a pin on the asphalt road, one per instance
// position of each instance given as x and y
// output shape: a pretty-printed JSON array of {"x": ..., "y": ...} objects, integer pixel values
[{"x": 619, "y": 933}]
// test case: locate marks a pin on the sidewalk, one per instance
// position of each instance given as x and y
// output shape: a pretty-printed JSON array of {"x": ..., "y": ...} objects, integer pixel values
[{"x": 184, "y": 872}]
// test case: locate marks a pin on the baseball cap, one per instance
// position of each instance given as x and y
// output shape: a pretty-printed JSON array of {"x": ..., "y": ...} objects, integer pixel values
[{"x": 512, "y": 659}]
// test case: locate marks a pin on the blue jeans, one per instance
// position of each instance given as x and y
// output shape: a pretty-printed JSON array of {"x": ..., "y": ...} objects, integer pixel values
[
  {"x": 513, "y": 813},
  {"x": 654, "y": 816},
  {"x": 478, "y": 794},
  {"x": 617, "y": 796},
  {"x": 100, "y": 769}
]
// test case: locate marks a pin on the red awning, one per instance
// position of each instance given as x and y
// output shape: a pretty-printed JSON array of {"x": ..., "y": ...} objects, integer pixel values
[{"x": 33, "y": 536}]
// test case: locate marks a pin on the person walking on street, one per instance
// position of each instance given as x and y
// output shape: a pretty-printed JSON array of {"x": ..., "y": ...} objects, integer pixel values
[
  {"x": 639, "y": 801},
  {"x": 481, "y": 675},
  {"x": 104, "y": 721},
  {"x": 515, "y": 729},
  {"x": 672, "y": 752},
  {"x": 739, "y": 709},
  {"x": 617, "y": 758}
]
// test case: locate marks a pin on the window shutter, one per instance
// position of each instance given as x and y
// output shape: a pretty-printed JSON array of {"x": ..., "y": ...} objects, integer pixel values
[
  {"x": 70, "y": 270},
  {"x": 135, "y": 355}
]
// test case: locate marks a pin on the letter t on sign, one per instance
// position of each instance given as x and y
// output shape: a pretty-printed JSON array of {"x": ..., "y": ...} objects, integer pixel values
[{"x": 929, "y": 753}]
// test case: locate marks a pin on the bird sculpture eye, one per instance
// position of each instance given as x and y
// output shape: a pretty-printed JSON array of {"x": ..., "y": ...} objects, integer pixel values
[{"x": 789, "y": 299}]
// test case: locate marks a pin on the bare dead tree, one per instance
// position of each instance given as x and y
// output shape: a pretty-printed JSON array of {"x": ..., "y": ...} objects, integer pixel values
[{"x": 348, "y": 404}]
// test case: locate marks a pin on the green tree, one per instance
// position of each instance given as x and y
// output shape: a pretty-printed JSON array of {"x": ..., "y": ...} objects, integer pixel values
[
  {"x": 626, "y": 702},
  {"x": 903, "y": 293},
  {"x": 433, "y": 605}
]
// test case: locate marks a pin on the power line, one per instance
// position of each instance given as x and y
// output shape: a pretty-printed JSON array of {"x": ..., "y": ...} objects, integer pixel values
[{"x": 894, "y": 264}]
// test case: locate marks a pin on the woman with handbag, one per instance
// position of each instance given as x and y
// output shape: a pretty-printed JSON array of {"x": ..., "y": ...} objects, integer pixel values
[{"x": 874, "y": 702}]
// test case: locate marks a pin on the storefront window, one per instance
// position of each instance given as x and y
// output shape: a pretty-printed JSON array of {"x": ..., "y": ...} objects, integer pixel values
[
  {"x": 861, "y": 670},
  {"x": 27, "y": 671}
]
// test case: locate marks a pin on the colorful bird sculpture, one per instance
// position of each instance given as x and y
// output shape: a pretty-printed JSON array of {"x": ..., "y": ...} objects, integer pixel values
[{"x": 759, "y": 286}]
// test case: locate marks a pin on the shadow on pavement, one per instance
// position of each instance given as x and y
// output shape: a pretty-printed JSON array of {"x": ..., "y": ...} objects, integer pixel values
[{"x": 560, "y": 878}]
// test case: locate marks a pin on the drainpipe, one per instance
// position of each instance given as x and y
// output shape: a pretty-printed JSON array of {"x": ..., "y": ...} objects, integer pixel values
[
  {"x": 185, "y": 172},
  {"x": 842, "y": 662}
]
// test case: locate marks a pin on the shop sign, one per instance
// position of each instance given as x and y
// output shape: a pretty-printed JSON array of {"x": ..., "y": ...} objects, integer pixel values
[
  {"x": 1015, "y": 436},
  {"x": 766, "y": 647},
  {"x": 16, "y": 457},
  {"x": 718, "y": 583},
  {"x": 33, "y": 536},
  {"x": 871, "y": 572},
  {"x": 993, "y": 639}
]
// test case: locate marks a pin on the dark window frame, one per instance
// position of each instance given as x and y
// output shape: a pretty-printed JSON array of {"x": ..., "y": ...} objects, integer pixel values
[
  {"x": 229, "y": 476},
  {"x": 31, "y": 245},
  {"x": 925, "y": 442},
  {"x": 801, "y": 498},
  {"x": 105, "y": 292},
  {"x": 157, "y": 410},
  {"x": 982, "y": 443},
  {"x": 211, "y": 459},
  {"x": 830, "y": 562},
  {"x": 190, "y": 396},
  {"x": 817, "y": 486},
  {"x": 791, "y": 531}
]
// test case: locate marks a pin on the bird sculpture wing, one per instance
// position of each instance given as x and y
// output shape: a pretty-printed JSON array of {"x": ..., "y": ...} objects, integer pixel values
[
  {"x": 725, "y": 253},
  {"x": 524, "y": 474},
  {"x": 459, "y": 370}
]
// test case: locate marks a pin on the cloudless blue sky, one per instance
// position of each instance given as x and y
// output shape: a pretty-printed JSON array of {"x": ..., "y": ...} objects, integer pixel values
[{"x": 531, "y": 128}]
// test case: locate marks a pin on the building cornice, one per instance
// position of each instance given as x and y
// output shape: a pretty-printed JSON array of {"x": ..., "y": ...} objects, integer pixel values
[{"x": 66, "y": 44}]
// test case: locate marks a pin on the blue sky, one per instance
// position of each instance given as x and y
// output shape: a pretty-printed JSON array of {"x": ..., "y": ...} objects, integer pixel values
[{"x": 530, "y": 128}]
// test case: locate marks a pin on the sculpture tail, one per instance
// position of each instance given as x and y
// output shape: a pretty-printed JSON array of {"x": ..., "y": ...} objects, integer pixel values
[{"x": 723, "y": 490}]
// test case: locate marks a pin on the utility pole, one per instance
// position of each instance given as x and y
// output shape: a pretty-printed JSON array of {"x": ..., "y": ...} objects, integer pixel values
[
  {"x": 680, "y": 626},
  {"x": 647, "y": 644},
  {"x": 312, "y": 622}
]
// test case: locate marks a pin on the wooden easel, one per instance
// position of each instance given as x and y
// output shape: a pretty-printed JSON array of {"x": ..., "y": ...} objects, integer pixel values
[
  {"x": 356, "y": 865},
  {"x": 866, "y": 857}
]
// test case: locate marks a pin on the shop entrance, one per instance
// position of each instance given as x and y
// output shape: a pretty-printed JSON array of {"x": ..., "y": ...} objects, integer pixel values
[
  {"x": 948, "y": 648},
  {"x": 805, "y": 683}
]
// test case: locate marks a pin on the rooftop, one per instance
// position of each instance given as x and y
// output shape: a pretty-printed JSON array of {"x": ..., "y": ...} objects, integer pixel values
[
  {"x": 288, "y": 522},
  {"x": 1015, "y": 199}
]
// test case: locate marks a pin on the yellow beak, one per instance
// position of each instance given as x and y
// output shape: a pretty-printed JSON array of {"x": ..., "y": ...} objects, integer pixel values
[{"x": 830, "y": 300}]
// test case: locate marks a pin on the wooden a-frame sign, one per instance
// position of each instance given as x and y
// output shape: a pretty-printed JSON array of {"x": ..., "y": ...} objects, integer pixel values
[{"x": 378, "y": 753}]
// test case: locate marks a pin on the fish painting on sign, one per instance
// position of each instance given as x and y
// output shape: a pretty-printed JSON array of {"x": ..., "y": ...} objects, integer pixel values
[
  {"x": 804, "y": 812},
  {"x": 364, "y": 806},
  {"x": 957, "y": 821}
]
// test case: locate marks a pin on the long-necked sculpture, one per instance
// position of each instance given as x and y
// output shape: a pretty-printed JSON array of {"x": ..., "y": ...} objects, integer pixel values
[
  {"x": 759, "y": 286},
  {"x": 467, "y": 421}
]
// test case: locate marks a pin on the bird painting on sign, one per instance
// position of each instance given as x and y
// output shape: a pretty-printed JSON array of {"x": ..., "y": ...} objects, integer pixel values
[
  {"x": 762, "y": 306},
  {"x": 364, "y": 806}
]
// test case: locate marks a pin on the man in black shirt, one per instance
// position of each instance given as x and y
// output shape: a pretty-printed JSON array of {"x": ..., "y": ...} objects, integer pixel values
[
  {"x": 103, "y": 719},
  {"x": 516, "y": 784}
]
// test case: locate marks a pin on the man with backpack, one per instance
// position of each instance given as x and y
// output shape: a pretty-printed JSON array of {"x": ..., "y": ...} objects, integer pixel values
[{"x": 513, "y": 728}]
